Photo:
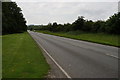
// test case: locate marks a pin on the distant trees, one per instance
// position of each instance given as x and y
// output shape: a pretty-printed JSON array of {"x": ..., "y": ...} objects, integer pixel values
[
  {"x": 111, "y": 26},
  {"x": 88, "y": 24},
  {"x": 79, "y": 23},
  {"x": 12, "y": 18},
  {"x": 13, "y": 22},
  {"x": 98, "y": 26}
]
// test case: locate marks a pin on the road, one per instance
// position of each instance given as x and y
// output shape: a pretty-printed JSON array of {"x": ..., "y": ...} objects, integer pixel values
[{"x": 80, "y": 59}]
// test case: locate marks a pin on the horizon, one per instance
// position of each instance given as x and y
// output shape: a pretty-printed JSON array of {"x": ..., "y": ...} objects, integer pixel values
[{"x": 41, "y": 13}]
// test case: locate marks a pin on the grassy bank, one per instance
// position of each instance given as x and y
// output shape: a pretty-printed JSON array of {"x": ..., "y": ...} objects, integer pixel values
[
  {"x": 100, "y": 38},
  {"x": 22, "y": 58},
  {"x": 0, "y": 56}
]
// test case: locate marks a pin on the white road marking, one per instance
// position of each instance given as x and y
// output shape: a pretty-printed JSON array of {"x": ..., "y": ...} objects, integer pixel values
[
  {"x": 62, "y": 68},
  {"x": 112, "y": 56},
  {"x": 66, "y": 74}
]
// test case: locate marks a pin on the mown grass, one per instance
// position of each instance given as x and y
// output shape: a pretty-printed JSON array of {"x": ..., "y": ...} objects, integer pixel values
[
  {"x": 22, "y": 58},
  {"x": 101, "y": 38},
  {"x": 0, "y": 56}
]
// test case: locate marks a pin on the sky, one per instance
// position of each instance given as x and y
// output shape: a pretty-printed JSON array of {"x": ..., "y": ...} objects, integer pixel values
[{"x": 43, "y": 12}]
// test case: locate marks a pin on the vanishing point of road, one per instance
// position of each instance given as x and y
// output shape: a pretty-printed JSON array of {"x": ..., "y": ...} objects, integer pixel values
[{"x": 80, "y": 59}]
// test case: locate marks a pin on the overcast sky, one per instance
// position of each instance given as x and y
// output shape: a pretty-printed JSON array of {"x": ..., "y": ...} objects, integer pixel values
[{"x": 39, "y": 12}]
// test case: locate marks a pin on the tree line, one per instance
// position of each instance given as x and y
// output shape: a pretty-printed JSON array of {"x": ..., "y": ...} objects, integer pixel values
[
  {"x": 12, "y": 18},
  {"x": 111, "y": 25}
]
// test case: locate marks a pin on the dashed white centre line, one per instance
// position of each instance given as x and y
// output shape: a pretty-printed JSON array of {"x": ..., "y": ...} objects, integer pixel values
[{"x": 112, "y": 56}]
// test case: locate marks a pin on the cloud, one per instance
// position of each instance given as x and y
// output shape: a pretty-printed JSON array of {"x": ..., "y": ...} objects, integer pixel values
[
  {"x": 63, "y": 12},
  {"x": 66, "y": 0}
]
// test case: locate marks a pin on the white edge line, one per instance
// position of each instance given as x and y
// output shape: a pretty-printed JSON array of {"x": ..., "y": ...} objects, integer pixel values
[
  {"x": 56, "y": 62},
  {"x": 66, "y": 74},
  {"x": 112, "y": 56}
]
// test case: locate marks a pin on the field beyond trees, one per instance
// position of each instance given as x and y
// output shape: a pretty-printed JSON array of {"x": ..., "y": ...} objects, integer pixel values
[{"x": 22, "y": 58}]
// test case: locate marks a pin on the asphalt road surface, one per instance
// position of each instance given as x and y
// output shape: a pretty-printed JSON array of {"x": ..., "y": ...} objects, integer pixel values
[{"x": 80, "y": 59}]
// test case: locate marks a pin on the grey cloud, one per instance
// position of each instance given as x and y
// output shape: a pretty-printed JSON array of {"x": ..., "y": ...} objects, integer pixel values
[
  {"x": 63, "y": 12},
  {"x": 66, "y": 0}
]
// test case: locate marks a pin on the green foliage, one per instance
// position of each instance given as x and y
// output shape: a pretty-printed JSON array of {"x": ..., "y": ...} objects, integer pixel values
[
  {"x": 111, "y": 26},
  {"x": 12, "y": 18},
  {"x": 98, "y": 26},
  {"x": 79, "y": 23},
  {"x": 88, "y": 26}
]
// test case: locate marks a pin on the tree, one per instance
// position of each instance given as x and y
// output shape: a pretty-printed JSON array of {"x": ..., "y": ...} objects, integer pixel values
[
  {"x": 79, "y": 23},
  {"x": 54, "y": 27},
  {"x": 113, "y": 24},
  {"x": 98, "y": 26},
  {"x": 12, "y": 18},
  {"x": 88, "y": 25}
]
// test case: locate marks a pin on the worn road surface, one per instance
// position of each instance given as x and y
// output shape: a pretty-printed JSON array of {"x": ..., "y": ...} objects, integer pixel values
[{"x": 80, "y": 59}]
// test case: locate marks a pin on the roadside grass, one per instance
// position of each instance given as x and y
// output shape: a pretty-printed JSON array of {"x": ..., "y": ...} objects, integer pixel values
[
  {"x": 0, "y": 56},
  {"x": 22, "y": 58},
  {"x": 101, "y": 38}
]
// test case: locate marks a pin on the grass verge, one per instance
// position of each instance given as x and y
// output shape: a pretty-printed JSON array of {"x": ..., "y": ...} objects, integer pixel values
[
  {"x": 101, "y": 38},
  {"x": 22, "y": 58}
]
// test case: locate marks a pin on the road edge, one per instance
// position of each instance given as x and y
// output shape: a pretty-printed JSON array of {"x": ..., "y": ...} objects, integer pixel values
[{"x": 63, "y": 71}]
